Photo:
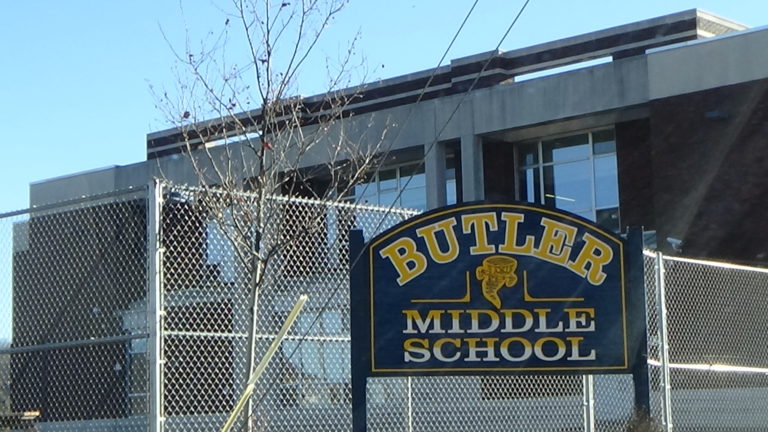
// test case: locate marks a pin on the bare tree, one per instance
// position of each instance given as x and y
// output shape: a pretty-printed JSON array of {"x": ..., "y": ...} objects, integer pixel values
[{"x": 286, "y": 145}]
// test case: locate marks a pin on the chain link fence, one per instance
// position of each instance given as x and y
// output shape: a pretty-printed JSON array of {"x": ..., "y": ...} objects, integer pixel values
[
  {"x": 73, "y": 307},
  {"x": 710, "y": 350},
  {"x": 218, "y": 274},
  {"x": 146, "y": 310}
]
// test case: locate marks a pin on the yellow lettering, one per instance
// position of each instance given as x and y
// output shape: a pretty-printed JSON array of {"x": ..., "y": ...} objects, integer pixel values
[
  {"x": 595, "y": 254},
  {"x": 538, "y": 349},
  {"x": 527, "y": 349},
  {"x": 455, "y": 321},
  {"x": 438, "y": 349},
  {"x": 509, "y": 320},
  {"x": 413, "y": 316},
  {"x": 479, "y": 223},
  {"x": 489, "y": 349},
  {"x": 493, "y": 321},
  {"x": 428, "y": 233},
  {"x": 580, "y": 319},
  {"x": 556, "y": 241},
  {"x": 543, "y": 325},
  {"x": 510, "y": 237},
  {"x": 419, "y": 347},
  {"x": 408, "y": 262},
  {"x": 576, "y": 351}
]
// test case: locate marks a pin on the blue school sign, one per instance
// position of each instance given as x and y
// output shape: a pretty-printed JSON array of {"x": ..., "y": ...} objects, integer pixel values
[{"x": 481, "y": 288}]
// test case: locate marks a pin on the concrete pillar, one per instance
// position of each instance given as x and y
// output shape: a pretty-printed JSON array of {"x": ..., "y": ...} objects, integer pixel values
[
  {"x": 434, "y": 167},
  {"x": 472, "y": 167}
]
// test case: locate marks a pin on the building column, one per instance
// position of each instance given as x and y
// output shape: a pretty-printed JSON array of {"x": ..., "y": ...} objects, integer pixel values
[
  {"x": 472, "y": 168},
  {"x": 434, "y": 170}
]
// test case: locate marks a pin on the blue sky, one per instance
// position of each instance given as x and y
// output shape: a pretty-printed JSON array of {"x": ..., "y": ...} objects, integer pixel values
[{"x": 75, "y": 75}]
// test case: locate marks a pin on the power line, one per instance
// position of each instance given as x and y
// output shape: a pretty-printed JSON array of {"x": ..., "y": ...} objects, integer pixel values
[
  {"x": 338, "y": 287},
  {"x": 430, "y": 148},
  {"x": 421, "y": 96}
]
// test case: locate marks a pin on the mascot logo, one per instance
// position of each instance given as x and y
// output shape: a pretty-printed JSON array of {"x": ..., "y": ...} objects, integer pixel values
[{"x": 496, "y": 272}]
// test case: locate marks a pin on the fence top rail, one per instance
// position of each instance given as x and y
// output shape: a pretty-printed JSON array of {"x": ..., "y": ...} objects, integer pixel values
[
  {"x": 73, "y": 202},
  {"x": 719, "y": 264},
  {"x": 286, "y": 198},
  {"x": 120, "y": 192}
]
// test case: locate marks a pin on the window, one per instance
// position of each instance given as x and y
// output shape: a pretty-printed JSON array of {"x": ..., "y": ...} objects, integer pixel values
[
  {"x": 403, "y": 186},
  {"x": 134, "y": 320},
  {"x": 575, "y": 173},
  {"x": 451, "y": 176},
  {"x": 318, "y": 362}
]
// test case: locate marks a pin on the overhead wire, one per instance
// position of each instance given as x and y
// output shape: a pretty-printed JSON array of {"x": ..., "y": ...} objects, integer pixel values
[
  {"x": 430, "y": 148},
  {"x": 419, "y": 98}
]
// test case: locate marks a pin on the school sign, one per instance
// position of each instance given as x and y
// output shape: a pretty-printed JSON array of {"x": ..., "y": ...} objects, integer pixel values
[
  {"x": 512, "y": 288},
  {"x": 495, "y": 288}
]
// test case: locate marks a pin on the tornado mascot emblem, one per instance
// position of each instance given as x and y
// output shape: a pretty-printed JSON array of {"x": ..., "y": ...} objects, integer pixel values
[{"x": 496, "y": 272}]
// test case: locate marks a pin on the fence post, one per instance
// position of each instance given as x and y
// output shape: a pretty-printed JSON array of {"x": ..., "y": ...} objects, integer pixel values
[
  {"x": 155, "y": 306},
  {"x": 410, "y": 404},
  {"x": 637, "y": 296},
  {"x": 589, "y": 402},
  {"x": 359, "y": 331},
  {"x": 661, "y": 310}
]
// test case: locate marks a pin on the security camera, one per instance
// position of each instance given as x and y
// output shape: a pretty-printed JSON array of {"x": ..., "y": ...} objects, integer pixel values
[{"x": 676, "y": 244}]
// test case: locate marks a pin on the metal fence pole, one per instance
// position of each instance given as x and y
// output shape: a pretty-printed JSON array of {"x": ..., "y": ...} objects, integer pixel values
[
  {"x": 589, "y": 402},
  {"x": 155, "y": 306},
  {"x": 666, "y": 402},
  {"x": 410, "y": 404}
]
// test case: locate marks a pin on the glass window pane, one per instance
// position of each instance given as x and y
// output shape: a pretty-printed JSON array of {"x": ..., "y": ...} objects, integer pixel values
[
  {"x": 289, "y": 347},
  {"x": 369, "y": 199},
  {"x": 606, "y": 182},
  {"x": 366, "y": 188},
  {"x": 304, "y": 323},
  {"x": 530, "y": 188},
  {"x": 587, "y": 214},
  {"x": 450, "y": 174},
  {"x": 368, "y": 178},
  {"x": 138, "y": 374},
  {"x": 450, "y": 161},
  {"x": 528, "y": 153},
  {"x": 389, "y": 198},
  {"x": 605, "y": 147},
  {"x": 569, "y": 186},
  {"x": 604, "y": 141},
  {"x": 450, "y": 191},
  {"x": 415, "y": 198},
  {"x": 138, "y": 346},
  {"x": 566, "y": 148},
  {"x": 388, "y": 179},
  {"x": 138, "y": 404},
  {"x": 417, "y": 180},
  {"x": 409, "y": 170}
]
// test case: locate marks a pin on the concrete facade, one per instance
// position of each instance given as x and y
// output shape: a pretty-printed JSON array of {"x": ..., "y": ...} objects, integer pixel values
[{"x": 687, "y": 72}]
